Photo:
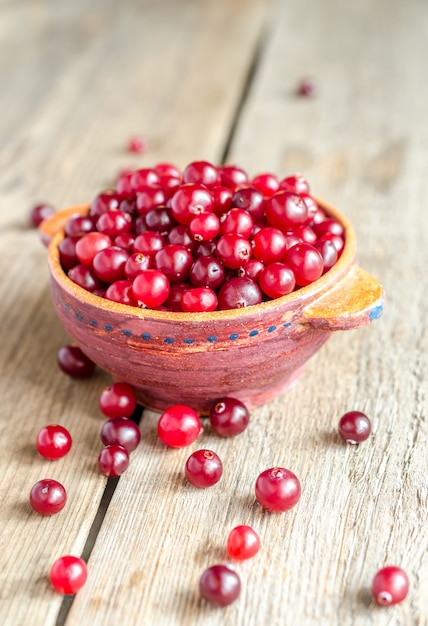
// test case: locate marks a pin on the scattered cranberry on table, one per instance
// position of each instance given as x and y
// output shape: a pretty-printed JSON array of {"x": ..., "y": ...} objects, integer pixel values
[
  {"x": 179, "y": 426},
  {"x": 203, "y": 468},
  {"x": 48, "y": 497},
  {"x": 68, "y": 574},
  {"x": 138, "y": 144},
  {"x": 73, "y": 362},
  {"x": 174, "y": 219},
  {"x": 243, "y": 543},
  {"x": 354, "y": 427},
  {"x": 121, "y": 431},
  {"x": 229, "y": 417},
  {"x": 53, "y": 442},
  {"x": 39, "y": 213},
  {"x": 118, "y": 400},
  {"x": 277, "y": 489},
  {"x": 220, "y": 585},
  {"x": 390, "y": 585},
  {"x": 113, "y": 460},
  {"x": 307, "y": 88}
]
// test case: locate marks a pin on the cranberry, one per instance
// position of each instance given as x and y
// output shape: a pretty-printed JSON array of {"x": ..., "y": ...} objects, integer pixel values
[
  {"x": 306, "y": 263},
  {"x": 48, "y": 497},
  {"x": 167, "y": 169},
  {"x": 173, "y": 301},
  {"x": 181, "y": 236},
  {"x": 74, "y": 362},
  {"x": 39, "y": 213},
  {"x": 233, "y": 176},
  {"x": 109, "y": 264},
  {"x": 286, "y": 210},
  {"x": 269, "y": 245},
  {"x": 121, "y": 431},
  {"x": 233, "y": 250},
  {"x": 67, "y": 252},
  {"x": 220, "y": 585},
  {"x": 205, "y": 227},
  {"x": 78, "y": 225},
  {"x": 222, "y": 199},
  {"x": 329, "y": 226},
  {"x": 229, "y": 417},
  {"x": 138, "y": 144},
  {"x": 277, "y": 489},
  {"x": 143, "y": 178},
  {"x": 160, "y": 220},
  {"x": 174, "y": 261},
  {"x": 206, "y": 271},
  {"x": 179, "y": 426},
  {"x": 68, "y": 575},
  {"x": 149, "y": 198},
  {"x": 118, "y": 400},
  {"x": 328, "y": 252},
  {"x": 390, "y": 585},
  {"x": 53, "y": 442},
  {"x": 307, "y": 88},
  {"x": 199, "y": 299},
  {"x": 238, "y": 293},
  {"x": 252, "y": 269},
  {"x": 277, "y": 280},
  {"x": 89, "y": 245},
  {"x": 251, "y": 200},
  {"x": 190, "y": 200},
  {"x": 85, "y": 277},
  {"x": 203, "y": 468},
  {"x": 149, "y": 242},
  {"x": 113, "y": 460},
  {"x": 151, "y": 288},
  {"x": 295, "y": 184},
  {"x": 121, "y": 291},
  {"x": 105, "y": 201},
  {"x": 113, "y": 223},
  {"x": 238, "y": 222},
  {"x": 243, "y": 543},
  {"x": 267, "y": 184},
  {"x": 136, "y": 263},
  {"x": 336, "y": 240},
  {"x": 354, "y": 427},
  {"x": 201, "y": 172}
]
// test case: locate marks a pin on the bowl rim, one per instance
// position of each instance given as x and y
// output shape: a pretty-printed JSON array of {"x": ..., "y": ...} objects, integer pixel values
[{"x": 346, "y": 259}]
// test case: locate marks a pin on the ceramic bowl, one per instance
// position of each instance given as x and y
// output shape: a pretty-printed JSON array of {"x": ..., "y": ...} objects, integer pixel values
[{"x": 253, "y": 354}]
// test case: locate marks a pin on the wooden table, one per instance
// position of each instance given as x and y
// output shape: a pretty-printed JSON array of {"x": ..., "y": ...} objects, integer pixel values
[{"x": 216, "y": 80}]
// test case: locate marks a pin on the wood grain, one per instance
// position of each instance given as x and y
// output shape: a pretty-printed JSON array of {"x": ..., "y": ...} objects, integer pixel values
[{"x": 77, "y": 82}]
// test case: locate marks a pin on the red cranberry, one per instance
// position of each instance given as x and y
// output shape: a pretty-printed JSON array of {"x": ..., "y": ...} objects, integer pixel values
[
  {"x": 88, "y": 246},
  {"x": 167, "y": 169},
  {"x": 149, "y": 198},
  {"x": 295, "y": 184},
  {"x": 238, "y": 222},
  {"x": 173, "y": 302},
  {"x": 269, "y": 245},
  {"x": 205, "y": 227},
  {"x": 354, "y": 427},
  {"x": 202, "y": 173},
  {"x": 74, "y": 362},
  {"x": 67, "y": 252},
  {"x": 48, "y": 497},
  {"x": 238, "y": 293},
  {"x": 277, "y": 280},
  {"x": 85, "y": 277},
  {"x": 222, "y": 199},
  {"x": 286, "y": 210},
  {"x": 136, "y": 263},
  {"x": 390, "y": 585},
  {"x": 118, "y": 400},
  {"x": 206, "y": 271},
  {"x": 251, "y": 200},
  {"x": 252, "y": 269},
  {"x": 113, "y": 460},
  {"x": 203, "y": 468},
  {"x": 68, "y": 575},
  {"x": 151, "y": 288},
  {"x": 190, "y": 200},
  {"x": 220, "y": 585},
  {"x": 179, "y": 426},
  {"x": 121, "y": 431},
  {"x": 121, "y": 291},
  {"x": 109, "y": 264},
  {"x": 306, "y": 263},
  {"x": 307, "y": 88},
  {"x": 149, "y": 242},
  {"x": 277, "y": 489},
  {"x": 233, "y": 250},
  {"x": 199, "y": 299},
  {"x": 328, "y": 252},
  {"x": 105, "y": 201},
  {"x": 53, "y": 442},
  {"x": 181, "y": 236},
  {"x": 160, "y": 220},
  {"x": 229, "y": 417},
  {"x": 267, "y": 184},
  {"x": 78, "y": 225},
  {"x": 142, "y": 178},
  {"x": 174, "y": 261},
  {"x": 113, "y": 223},
  {"x": 233, "y": 176},
  {"x": 39, "y": 213},
  {"x": 138, "y": 144},
  {"x": 243, "y": 543}
]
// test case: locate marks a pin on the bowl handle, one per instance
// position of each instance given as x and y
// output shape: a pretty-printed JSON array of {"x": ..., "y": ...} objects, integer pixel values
[
  {"x": 52, "y": 225},
  {"x": 357, "y": 300}
]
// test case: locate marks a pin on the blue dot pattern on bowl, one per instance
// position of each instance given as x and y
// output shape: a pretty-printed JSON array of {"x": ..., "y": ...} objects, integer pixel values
[{"x": 374, "y": 314}]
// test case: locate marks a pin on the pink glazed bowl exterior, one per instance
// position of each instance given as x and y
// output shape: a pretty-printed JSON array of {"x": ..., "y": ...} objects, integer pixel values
[{"x": 252, "y": 354}]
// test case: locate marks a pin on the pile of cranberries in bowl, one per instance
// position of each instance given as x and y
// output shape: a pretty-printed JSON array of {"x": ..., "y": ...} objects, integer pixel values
[{"x": 203, "y": 239}]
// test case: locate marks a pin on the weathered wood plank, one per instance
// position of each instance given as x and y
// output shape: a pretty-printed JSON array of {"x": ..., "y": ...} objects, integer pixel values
[
  {"x": 361, "y": 143},
  {"x": 77, "y": 81}
]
